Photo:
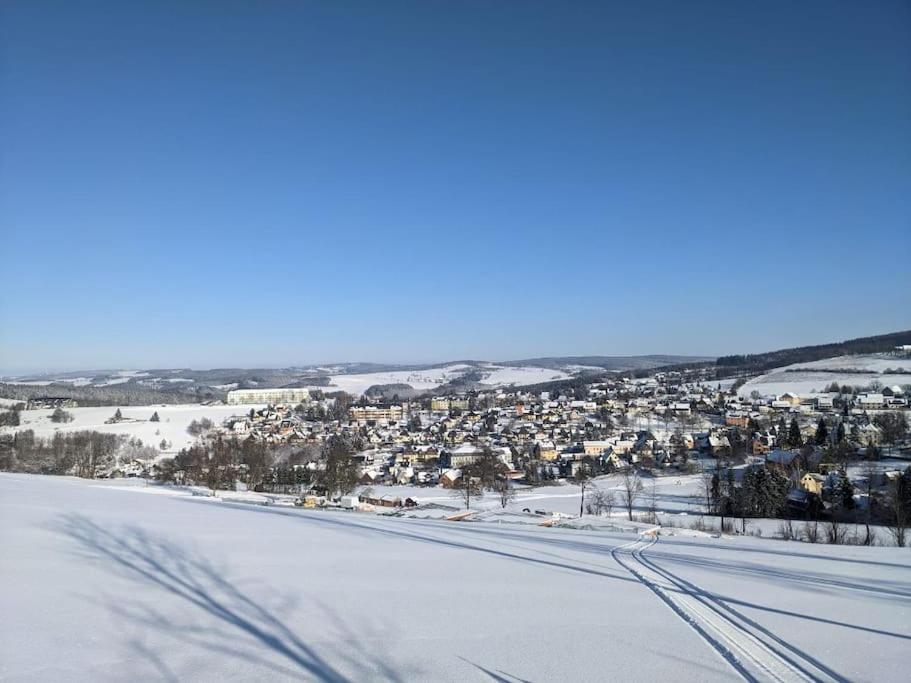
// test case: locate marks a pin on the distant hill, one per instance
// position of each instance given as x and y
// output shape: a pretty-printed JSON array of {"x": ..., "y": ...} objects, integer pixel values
[
  {"x": 760, "y": 362},
  {"x": 612, "y": 363},
  {"x": 184, "y": 385},
  {"x": 134, "y": 387}
]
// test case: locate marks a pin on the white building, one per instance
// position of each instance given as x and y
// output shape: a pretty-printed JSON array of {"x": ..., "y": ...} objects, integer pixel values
[{"x": 270, "y": 396}]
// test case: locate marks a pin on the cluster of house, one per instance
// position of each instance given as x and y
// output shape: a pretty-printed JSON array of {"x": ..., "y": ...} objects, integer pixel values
[
  {"x": 889, "y": 398},
  {"x": 52, "y": 402},
  {"x": 668, "y": 420},
  {"x": 613, "y": 424}
]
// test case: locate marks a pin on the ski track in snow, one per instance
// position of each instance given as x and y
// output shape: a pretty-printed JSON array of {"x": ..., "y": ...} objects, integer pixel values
[{"x": 740, "y": 641}]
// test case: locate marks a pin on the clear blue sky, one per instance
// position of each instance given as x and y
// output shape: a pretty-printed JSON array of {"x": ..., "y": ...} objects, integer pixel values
[{"x": 267, "y": 183}]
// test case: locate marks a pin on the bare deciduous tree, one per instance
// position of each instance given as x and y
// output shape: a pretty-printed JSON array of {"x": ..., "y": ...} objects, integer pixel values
[
  {"x": 602, "y": 501},
  {"x": 900, "y": 514},
  {"x": 468, "y": 486},
  {"x": 870, "y": 475},
  {"x": 505, "y": 491},
  {"x": 583, "y": 477},
  {"x": 653, "y": 504},
  {"x": 630, "y": 489}
]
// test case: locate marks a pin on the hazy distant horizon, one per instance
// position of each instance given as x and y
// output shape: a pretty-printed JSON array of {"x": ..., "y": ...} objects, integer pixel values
[
  {"x": 247, "y": 364},
  {"x": 327, "y": 364}
]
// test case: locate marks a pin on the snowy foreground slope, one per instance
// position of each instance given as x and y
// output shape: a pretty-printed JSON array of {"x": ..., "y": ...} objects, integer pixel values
[{"x": 105, "y": 583}]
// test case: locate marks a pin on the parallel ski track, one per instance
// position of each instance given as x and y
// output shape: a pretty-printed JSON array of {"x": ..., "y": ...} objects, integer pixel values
[{"x": 753, "y": 651}]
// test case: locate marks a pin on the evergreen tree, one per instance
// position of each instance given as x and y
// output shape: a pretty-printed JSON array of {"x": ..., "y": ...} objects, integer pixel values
[
  {"x": 794, "y": 438},
  {"x": 781, "y": 433},
  {"x": 341, "y": 471},
  {"x": 822, "y": 433},
  {"x": 118, "y": 416},
  {"x": 846, "y": 493},
  {"x": 840, "y": 432},
  {"x": 155, "y": 417}
]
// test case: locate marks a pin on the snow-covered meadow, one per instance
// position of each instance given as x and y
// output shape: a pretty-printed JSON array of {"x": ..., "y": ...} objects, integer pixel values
[
  {"x": 814, "y": 377},
  {"x": 519, "y": 376},
  {"x": 420, "y": 380},
  {"x": 431, "y": 378},
  {"x": 172, "y": 424},
  {"x": 102, "y": 582}
]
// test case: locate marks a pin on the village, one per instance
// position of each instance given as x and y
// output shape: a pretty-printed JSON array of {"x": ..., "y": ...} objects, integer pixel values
[
  {"x": 830, "y": 447},
  {"x": 595, "y": 448}
]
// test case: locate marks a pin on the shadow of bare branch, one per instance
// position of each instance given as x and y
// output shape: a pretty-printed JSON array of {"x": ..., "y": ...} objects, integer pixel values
[{"x": 215, "y": 614}]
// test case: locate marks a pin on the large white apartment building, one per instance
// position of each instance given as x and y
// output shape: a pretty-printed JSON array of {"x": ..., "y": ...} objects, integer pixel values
[{"x": 270, "y": 396}]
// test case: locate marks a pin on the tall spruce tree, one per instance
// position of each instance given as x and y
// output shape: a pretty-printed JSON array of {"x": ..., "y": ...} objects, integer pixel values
[
  {"x": 794, "y": 438},
  {"x": 822, "y": 433}
]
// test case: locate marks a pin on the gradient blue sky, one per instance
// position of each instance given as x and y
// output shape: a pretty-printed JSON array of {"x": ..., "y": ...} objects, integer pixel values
[{"x": 267, "y": 183}]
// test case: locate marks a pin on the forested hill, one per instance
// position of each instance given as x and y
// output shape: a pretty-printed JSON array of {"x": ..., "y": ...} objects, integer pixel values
[
  {"x": 128, "y": 394},
  {"x": 760, "y": 362}
]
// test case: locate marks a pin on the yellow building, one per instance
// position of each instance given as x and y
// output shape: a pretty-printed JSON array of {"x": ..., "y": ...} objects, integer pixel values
[
  {"x": 812, "y": 483},
  {"x": 446, "y": 404}
]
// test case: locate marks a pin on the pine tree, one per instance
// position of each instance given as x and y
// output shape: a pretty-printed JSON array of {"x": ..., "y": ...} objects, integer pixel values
[
  {"x": 155, "y": 417},
  {"x": 840, "y": 432},
  {"x": 822, "y": 433},
  {"x": 118, "y": 416},
  {"x": 780, "y": 432},
  {"x": 794, "y": 438},
  {"x": 846, "y": 493}
]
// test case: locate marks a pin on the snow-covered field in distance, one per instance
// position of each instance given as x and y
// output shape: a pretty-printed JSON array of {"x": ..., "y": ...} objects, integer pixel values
[
  {"x": 520, "y": 376},
  {"x": 672, "y": 494},
  {"x": 422, "y": 380},
  {"x": 807, "y": 378},
  {"x": 174, "y": 420},
  {"x": 99, "y": 583}
]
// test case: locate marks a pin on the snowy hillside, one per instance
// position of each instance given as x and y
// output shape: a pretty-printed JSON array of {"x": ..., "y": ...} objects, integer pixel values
[
  {"x": 805, "y": 378},
  {"x": 172, "y": 425},
  {"x": 492, "y": 375},
  {"x": 178, "y": 588},
  {"x": 420, "y": 380},
  {"x": 520, "y": 376}
]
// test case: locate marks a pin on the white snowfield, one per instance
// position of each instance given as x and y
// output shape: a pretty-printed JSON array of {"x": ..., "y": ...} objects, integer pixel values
[
  {"x": 422, "y": 380},
  {"x": 417, "y": 379},
  {"x": 102, "y": 584},
  {"x": 858, "y": 370},
  {"x": 520, "y": 376},
  {"x": 172, "y": 424}
]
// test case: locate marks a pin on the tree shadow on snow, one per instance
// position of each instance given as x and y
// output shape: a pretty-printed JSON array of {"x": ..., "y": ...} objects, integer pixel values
[{"x": 214, "y": 614}]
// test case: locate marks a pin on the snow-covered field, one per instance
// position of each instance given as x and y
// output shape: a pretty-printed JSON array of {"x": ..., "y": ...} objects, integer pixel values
[
  {"x": 422, "y": 380},
  {"x": 172, "y": 426},
  {"x": 673, "y": 494},
  {"x": 520, "y": 376},
  {"x": 866, "y": 363},
  {"x": 853, "y": 370},
  {"x": 417, "y": 379},
  {"x": 100, "y": 583}
]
